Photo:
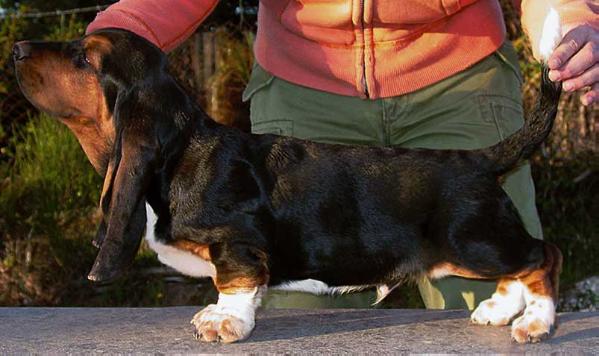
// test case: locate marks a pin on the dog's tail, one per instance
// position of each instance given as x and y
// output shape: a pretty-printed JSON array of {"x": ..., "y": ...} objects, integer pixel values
[{"x": 505, "y": 155}]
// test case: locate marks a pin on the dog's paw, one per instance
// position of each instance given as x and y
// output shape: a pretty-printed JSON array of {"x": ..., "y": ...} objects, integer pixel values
[
  {"x": 221, "y": 324},
  {"x": 502, "y": 307},
  {"x": 489, "y": 312},
  {"x": 535, "y": 324}
]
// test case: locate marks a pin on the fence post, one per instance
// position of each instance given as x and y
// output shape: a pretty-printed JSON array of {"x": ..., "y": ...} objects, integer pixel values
[
  {"x": 196, "y": 61},
  {"x": 209, "y": 53}
]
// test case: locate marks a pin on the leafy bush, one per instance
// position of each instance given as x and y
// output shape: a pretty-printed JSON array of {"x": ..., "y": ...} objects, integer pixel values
[{"x": 49, "y": 189}]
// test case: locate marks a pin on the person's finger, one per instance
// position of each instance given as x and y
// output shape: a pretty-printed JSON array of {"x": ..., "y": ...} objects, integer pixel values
[
  {"x": 587, "y": 78},
  {"x": 582, "y": 61},
  {"x": 592, "y": 96},
  {"x": 572, "y": 42}
]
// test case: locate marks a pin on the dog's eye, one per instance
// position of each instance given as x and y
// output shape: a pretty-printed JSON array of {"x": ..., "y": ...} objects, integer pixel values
[{"x": 82, "y": 60}]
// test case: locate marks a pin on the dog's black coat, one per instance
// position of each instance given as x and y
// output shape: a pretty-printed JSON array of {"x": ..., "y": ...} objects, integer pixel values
[{"x": 293, "y": 209}]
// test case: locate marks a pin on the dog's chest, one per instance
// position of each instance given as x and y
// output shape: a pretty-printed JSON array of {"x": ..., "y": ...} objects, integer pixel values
[{"x": 183, "y": 261}]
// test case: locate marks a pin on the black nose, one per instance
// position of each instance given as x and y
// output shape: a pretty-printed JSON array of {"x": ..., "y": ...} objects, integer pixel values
[{"x": 21, "y": 50}]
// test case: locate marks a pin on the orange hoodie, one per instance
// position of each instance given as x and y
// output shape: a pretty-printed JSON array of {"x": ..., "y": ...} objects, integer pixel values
[{"x": 366, "y": 48}]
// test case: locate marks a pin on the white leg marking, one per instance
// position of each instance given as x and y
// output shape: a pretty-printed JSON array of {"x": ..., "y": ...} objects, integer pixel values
[
  {"x": 551, "y": 34},
  {"x": 537, "y": 320},
  {"x": 183, "y": 261},
  {"x": 230, "y": 319},
  {"x": 500, "y": 309}
]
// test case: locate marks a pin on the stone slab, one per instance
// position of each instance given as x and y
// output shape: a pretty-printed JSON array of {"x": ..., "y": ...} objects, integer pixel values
[{"x": 167, "y": 330}]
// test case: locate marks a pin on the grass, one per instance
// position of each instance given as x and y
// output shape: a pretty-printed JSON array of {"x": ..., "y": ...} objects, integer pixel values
[{"x": 47, "y": 220}]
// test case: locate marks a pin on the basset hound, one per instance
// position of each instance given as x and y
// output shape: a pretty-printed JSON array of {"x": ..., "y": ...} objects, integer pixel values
[{"x": 258, "y": 211}]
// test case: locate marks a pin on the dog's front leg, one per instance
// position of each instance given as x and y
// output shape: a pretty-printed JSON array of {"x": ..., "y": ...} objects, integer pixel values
[
  {"x": 231, "y": 318},
  {"x": 241, "y": 279}
]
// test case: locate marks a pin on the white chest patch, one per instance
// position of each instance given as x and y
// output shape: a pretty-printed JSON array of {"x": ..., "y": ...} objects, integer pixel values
[{"x": 183, "y": 261}]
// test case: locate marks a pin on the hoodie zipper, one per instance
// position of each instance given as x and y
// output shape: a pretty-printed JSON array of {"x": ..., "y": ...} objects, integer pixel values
[{"x": 362, "y": 20}]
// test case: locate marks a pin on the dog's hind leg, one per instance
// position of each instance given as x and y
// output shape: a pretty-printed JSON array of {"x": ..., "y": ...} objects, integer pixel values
[
  {"x": 531, "y": 290},
  {"x": 540, "y": 292},
  {"x": 503, "y": 306},
  {"x": 241, "y": 279}
]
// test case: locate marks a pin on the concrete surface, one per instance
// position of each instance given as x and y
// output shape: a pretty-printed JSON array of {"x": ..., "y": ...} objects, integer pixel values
[{"x": 167, "y": 330}]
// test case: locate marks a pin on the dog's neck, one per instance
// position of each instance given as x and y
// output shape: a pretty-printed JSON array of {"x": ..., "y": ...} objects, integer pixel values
[{"x": 187, "y": 121}]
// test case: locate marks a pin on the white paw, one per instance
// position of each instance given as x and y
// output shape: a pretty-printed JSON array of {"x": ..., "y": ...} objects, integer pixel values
[
  {"x": 502, "y": 307},
  {"x": 536, "y": 323},
  {"x": 491, "y": 312},
  {"x": 218, "y": 323}
]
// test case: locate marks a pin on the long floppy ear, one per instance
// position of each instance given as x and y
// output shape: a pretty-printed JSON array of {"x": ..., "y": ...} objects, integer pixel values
[
  {"x": 127, "y": 178},
  {"x": 105, "y": 202}
]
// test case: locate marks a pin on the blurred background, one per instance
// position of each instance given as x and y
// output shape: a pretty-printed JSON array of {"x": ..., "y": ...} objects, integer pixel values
[{"x": 49, "y": 192}]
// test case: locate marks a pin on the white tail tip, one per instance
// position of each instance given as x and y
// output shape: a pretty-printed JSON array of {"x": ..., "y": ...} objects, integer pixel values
[{"x": 550, "y": 36}]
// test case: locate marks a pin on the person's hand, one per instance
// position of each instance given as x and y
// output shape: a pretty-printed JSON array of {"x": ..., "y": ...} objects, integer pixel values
[{"x": 575, "y": 62}]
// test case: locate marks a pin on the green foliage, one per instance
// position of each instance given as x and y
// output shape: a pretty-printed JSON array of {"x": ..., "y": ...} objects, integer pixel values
[
  {"x": 70, "y": 28},
  {"x": 11, "y": 30},
  {"x": 46, "y": 211},
  {"x": 47, "y": 220},
  {"x": 50, "y": 175},
  {"x": 568, "y": 202}
]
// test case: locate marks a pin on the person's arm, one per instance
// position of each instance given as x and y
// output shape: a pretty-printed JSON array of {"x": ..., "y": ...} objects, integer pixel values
[
  {"x": 166, "y": 23},
  {"x": 575, "y": 61}
]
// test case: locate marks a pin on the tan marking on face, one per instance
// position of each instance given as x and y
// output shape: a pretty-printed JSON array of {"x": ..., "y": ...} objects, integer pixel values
[
  {"x": 95, "y": 134},
  {"x": 53, "y": 83},
  {"x": 200, "y": 250}
]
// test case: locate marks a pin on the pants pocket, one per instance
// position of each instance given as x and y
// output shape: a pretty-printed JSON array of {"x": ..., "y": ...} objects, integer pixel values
[
  {"x": 506, "y": 114},
  {"x": 277, "y": 127},
  {"x": 259, "y": 79},
  {"x": 261, "y": 113}
]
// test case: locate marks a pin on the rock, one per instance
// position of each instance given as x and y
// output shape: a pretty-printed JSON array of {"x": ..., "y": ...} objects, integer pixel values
[{"x": 584, "y": 296}]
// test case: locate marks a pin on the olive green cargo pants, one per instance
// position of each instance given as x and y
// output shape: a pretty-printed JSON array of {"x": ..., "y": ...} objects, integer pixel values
[{"x": 472, "y": 109}]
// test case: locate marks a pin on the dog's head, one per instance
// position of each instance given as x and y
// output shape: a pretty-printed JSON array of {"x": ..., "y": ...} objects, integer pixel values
[{"x": 112, "y": 90}]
